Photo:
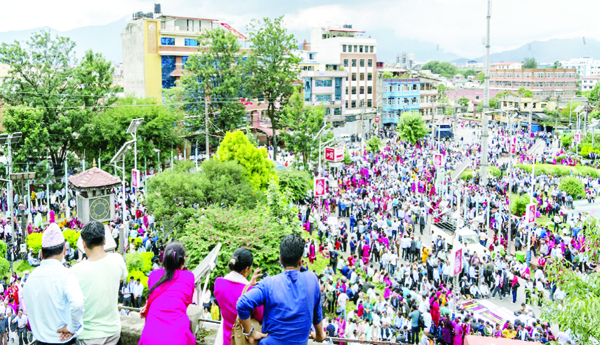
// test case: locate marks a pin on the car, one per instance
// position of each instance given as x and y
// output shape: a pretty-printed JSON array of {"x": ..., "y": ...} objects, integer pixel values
[{"x": 462, "y": 238}]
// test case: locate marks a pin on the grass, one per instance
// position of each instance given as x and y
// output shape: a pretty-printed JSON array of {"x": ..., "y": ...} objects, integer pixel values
[{"x": 21, "y": 266}]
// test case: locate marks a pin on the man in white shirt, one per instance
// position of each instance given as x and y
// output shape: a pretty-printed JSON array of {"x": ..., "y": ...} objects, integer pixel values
[
  {"x": 127, "y": 292},
  {"x": 21, "y": 321},
  {"x": 138, "y": 290},
  {"x": 342, "y": 299}
]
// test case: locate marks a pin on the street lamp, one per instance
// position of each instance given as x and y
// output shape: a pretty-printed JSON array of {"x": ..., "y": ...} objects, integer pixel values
[
  {"x": 133, "y": 127},
  {"x": 319, "y": 136},
  {"x": 120, "y": 156},
  {"x": 9, "y": 140}
]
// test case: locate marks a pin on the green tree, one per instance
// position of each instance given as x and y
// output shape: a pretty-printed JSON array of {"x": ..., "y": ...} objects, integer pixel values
[
  {"x": 523, "y": 92},
  {"x": 572, "y": 186},
  {"x": 445, "y": 69},
  {"x": 303, "y": 123},
  {"x": 530, "y": 63},
  {"x": 45, "y": 75},
  {"x": 272, "y": 67},
  {"x": 468, "y": 72},
  {"x": 557, "y": 65},
  {"x": 107, "y": 131},
  {"x": 374, "y": 144},
  {"x": 214, "y": 72},
  {"x": 463, "y": 102},
  {"x": 594, "y": 96},
  {"x": 411, "y": 127},
  {"x": 297, "y": 181},
  {"x": 480, "y": 77},
  {"x": 259, "y": 168}
]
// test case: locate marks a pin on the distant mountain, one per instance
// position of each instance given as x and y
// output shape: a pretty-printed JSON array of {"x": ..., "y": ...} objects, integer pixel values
[
  {"x": 548, "y": 51},
  {"x": 105, "y": 39}
]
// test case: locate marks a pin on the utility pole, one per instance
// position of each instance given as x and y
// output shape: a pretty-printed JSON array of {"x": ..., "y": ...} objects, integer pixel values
[
  {"x": 10, "y": 139},
  {"x": 196, "y": 155},
  {"x": 486, "y": 102},
  {"x": 67, "y": 210},
  {"x": 362, "y": 128},
  {"x": 48, "y": 190},
  {"x": 510, "y": 184},
  {"x": 206, "y": 126}
]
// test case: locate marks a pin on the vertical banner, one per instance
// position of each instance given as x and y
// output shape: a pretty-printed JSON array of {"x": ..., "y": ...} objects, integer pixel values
[
  {"x": 319, "y": 186},
  {"x": 458, "y": 261},
  {"x": 135, "y": 178},
  {"x": 530, "y": 214}
]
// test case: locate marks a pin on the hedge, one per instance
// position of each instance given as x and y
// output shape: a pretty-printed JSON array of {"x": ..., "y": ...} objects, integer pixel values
[
  {"x": 147, "y": 262},
  {"x": 560, "y": 170},
  {"x": 34, "y": 241},
  {"x": 71, "y": 236},
  {"x": 134, "y": 261},
  {"x": 142, "y": 277},
  {"x": 4, "y": 267},
  {"x": 573, "y": 186}
]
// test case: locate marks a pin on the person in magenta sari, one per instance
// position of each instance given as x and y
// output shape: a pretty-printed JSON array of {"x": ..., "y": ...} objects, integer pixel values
[
  {"x": 171, "y": 291},
  {"x": 459, "y": 332},
  {"x": 312, "y": 254},
  {"x": 228, "y": 290}
]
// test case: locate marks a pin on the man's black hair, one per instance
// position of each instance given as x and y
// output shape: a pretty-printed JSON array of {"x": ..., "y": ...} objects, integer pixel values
[
  {"x": 52, "y": 251},
  {"x": 291, "y": 250},
  {"x": 93, "y": 234}
]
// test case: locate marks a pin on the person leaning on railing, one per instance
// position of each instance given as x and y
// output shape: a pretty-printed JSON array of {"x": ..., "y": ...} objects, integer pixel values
[{"x": 292, "y": 301}]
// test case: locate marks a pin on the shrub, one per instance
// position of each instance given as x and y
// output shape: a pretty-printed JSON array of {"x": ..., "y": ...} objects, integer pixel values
[
  {"x": 566, "y": 141},
  {"x": 143, "y": 279},
  {"x": 518, "y": 204},
  {"x": 494, "y": 171},
  {"x": 572, "y": 186},
  {"x": 4, "y": 267},
  {"x": 347, "y": 158},
  {"x": 297, "y": 181},
  {"x": 138, "y": 241},
  {"x": 34, "y": 241},
  {"x": 147, "y": 262},
  {"x": 467, "y": 174},
  {"x": 3, "y": 249},
  {"x": 374, "y": 144},
  {"x": 71, "y": 236},
  {"x": 134, "y": 261}
]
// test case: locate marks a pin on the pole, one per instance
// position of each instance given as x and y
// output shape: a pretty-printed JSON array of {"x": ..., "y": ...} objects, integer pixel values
[
  {"x": 362, "y": 129},
  {"x": 196, "y": 155},
  {"x": 82, "y": 162},
  {"x": 206, "y": 126},
  {"x": 510, "y": 186},
  {"x": 48, "y": 191},
  {"x": 486, "y": 102},
  {"x": 159, "y": 168},
  {"x": 100, "y": 160},
  {"x": 123, "y": 194},
  {"x": 319, "y": 172},
  {"x": 10, "y": 193},
  {"x": 67, "y": 210}
]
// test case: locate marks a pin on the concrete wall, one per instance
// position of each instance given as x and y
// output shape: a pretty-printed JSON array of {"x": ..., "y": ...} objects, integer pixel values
[{"x": 133, "y": 59}]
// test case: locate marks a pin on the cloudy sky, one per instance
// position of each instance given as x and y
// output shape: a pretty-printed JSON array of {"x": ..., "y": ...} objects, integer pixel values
[{"x": 458, "y": 26}]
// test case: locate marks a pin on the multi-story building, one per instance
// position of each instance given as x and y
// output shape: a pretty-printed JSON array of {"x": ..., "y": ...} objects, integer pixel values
[
  {"x": 506, "y": 65},
  {"x": 588, "y": 83},
  {"x": 357, "y": 55},
  {"x": 324, "y": 85},
  {"x": 544, "y": 83},
  {"x": 585, "y": 66},
  {"x": 405, "y": 60},
  {"x": 156, "y": 47}
]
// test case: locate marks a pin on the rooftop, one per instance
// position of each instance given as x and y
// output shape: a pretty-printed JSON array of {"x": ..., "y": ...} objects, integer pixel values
[
  {"x": 595, "y": 76},
  {"x": 180, "y": 17},
  {"x": 94, "y": 178},
  {"x": 504, "y": 63}
]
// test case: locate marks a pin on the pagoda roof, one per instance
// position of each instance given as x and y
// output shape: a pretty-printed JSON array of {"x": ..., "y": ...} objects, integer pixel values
[{"x": 94, "y": 178}]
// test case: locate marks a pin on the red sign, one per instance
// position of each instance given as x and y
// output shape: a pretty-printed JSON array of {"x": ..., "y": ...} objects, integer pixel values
[
  {"x": 577, "y": 138},
  {"x": 377, "y": 119},
  {"x": 512, "y": 148},
  {"x": 437, "y": 159},
  {"x": 334, "y": 154},
  {"x": 319, "y": 186},
  {"x": 530, "y": 213},
  {"x": 458, "y": 261},
  {"x": 135, "y": 178}
]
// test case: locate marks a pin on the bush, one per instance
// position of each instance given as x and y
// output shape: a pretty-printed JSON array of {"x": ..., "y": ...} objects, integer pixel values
[
  {"x": 4, "y": 267},
  {"x": 297, "y": 181},
  {"x": 143, "y": 279},
  {"x": 147, "y": 262},
  {"x": 71, "y": 236},
  {"x": 347, "y": 158},
  {"x": 134, "y": 261},
  {"x": 138, "y": 242},
  {"x": 566, "y": 141},
  {"x": 518, "y": 204},
  {"x": 467, "y": 174},
  {"x": 34, "y": 241},
  {"x": 572, "y": 186},
  {"x": 374, "y": 144},
  {"x": 494, "y": 171},
  {"x": 234, "y": 228},
  {"x": 3, "y": 249}
]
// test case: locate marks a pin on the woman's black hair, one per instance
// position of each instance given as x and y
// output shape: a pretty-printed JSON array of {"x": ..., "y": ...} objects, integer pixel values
[
  {"x": 241, "y": 259},
  {"x": 173, "y": 259}
]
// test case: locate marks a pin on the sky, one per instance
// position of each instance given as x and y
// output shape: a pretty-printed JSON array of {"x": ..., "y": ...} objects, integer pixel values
[{"x": 458, "y": 26}]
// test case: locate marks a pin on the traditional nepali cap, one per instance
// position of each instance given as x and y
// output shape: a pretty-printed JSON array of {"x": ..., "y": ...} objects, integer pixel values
[{"x": 52, "y": 236}]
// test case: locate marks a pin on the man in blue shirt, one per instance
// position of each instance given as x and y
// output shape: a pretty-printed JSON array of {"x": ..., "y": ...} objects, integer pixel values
[{"x": 292, "y": 301}]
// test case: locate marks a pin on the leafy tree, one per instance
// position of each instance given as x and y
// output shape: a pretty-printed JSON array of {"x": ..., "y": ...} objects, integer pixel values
[
  {"x": 45, "y": 75},
  {"x": 572, "y": 186},
  {"x": 557, "y": 64},
  {"x": 303, "y": 123},
  {"x": 280, "y": 207},
  {"x": 214, "y": 72},
  {"x": 445, "y": 69},
  {"x": 463, "y": 102},
  {"x": 468, "y": 72},
  {"x": 523, "y": 92},
  {"x": 568, "y": 112},
  {"x": 593, "y": 96},
  {"x": 107, "y": 131},
  {"x": 374, "y": 144},
  {"x": 347, "y": 158},
  {"x": 530, "y": 63},
  {"x": 259, "y": 168},
  {"x": 297, "y": 181},
  {"x": 272, "y": 67},
  {"x": 480, "y": 77},
  {"x": 518, "y": 204},
  {"x": 411, "y": 127},
  {"x": 493, "y": 104}
]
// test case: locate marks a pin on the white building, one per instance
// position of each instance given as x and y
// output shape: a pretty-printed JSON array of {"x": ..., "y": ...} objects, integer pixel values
[
  {"x": 506, "y": 65},
  {"x": 588, "y": 83},
  {"x": 585, "y": 66}
]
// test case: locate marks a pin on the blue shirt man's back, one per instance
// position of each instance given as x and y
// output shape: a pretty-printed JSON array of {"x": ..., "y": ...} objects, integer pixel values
[{"x": 292, "y": 301}]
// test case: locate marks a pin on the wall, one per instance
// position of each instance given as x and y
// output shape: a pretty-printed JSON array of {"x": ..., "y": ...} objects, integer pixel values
[
  {"x": 152, "y": 59},
  {"x": 133, "y": 59}
]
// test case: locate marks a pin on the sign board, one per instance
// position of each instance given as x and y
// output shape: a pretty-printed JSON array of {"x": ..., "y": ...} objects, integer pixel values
[
  {"x": 319, "y": 186},
  {"x": 512, "y": 148},
  {"x": 458, "y": 261},
  {"x": 530, "y": 213},
  {"x": 377, "y": 119},
  {"x": 135, "y": 178},
  {"x": 438, "y": 159},
  {"x": 577, "y": 138},
  {"x": 334, "y": 154}
]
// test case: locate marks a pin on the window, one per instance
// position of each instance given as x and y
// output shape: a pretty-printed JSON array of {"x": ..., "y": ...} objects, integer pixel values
[
  {"x": 362, "y": 62},
  {"x": 311, "y": 56},
  {"x": 323, "y": 98},
  {"x": 370, "y": 63},
  {"x": 354, "y": 62},
  {"x": 190, "y": 42},
  {"x": 370, "y": 76},
  {"x": 345, "y": 62},
  {"x": 371, "y": 49},
  {"x": 167, "y": 41},
  {"x": 362, "y": 103},
  {"x": 369, "y": 103},
  {"x": 354, "y": 90},
  {"x": 323, "y": 83},
  {"x": 190, "y": 25},
  {"x": 344, "y": 48},
  {"x": 362, "y": 90},
  {"x": 346, "y": 90},
  {"x": 353, "y": 76},
  {"x": 355, "y": 49},
  {"x": 360, "y": 49},
  {"x": 353, "y": 104},
  {"x": 327, "y": 111},
  {"x": 370, "y": 90},
  {"x": 337, "y": 111},
  {"x": 362, "y": 76},
  {"x": 346, "y": 104}
]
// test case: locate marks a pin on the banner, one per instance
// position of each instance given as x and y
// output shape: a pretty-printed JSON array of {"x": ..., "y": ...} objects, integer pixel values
[
  {"x": 319, "y": 186},
  {"x": 458, "y": 262},
  {"x": 530, "y": 213},
  {"x": 135, "y": 178}
]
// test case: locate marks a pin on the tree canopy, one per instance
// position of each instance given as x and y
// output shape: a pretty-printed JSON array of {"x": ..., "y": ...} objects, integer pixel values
[
  {"x": 445, "y": 69},
  {"x": 411, "y": 127},
  {"x": 530, "y": 63}
]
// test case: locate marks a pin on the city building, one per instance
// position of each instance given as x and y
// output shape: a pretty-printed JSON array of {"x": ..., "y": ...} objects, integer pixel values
[
  {"x": 588, "y": 83},
  {"x": 405, "y": 60},
  {"x": 156, "y": 47},
  {"x": 506, "y": 65},
  {"x": 474, "y": 64},
  {"x": 585, "y": 66},
  {"x": 544, "y": 83}
]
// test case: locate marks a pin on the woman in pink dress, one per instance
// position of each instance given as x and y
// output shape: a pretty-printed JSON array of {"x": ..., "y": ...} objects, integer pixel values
[
  {"x": 171, "y": 291},
  {"x": 228, "y": 290}
]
